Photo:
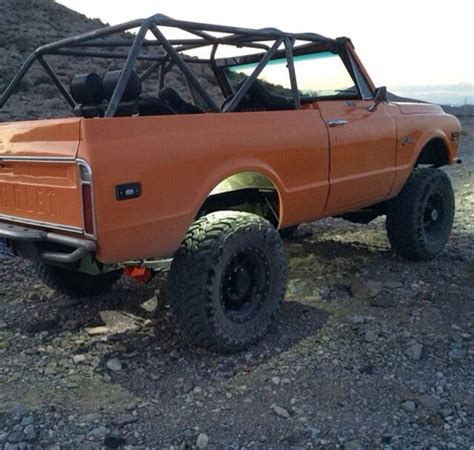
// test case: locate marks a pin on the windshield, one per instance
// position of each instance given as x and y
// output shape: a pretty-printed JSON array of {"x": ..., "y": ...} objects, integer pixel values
[{"x": 318, "y": 75}]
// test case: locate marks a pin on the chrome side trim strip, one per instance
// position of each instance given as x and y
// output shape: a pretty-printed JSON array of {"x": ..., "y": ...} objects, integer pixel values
[
  {"x": 58, "y": 159},
  {"x": 39, "y": 223}
]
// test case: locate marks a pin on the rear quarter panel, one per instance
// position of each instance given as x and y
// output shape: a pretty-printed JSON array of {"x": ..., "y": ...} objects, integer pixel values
[{"x": 180, "y": 159}]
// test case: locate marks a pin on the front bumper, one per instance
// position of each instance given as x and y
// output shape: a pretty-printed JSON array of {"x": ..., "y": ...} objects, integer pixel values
[{"x": 79, "y": 247}]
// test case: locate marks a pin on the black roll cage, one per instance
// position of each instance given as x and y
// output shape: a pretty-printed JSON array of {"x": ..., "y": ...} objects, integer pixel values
[{"x": 92, "y": 44}]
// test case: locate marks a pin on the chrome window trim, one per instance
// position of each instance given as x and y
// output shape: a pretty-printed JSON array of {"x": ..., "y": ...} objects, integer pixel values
[{"x": 358, "y": 76}]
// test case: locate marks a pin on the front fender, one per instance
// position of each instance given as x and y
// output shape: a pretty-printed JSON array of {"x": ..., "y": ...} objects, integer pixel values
[{"x": 414, "y": 133}]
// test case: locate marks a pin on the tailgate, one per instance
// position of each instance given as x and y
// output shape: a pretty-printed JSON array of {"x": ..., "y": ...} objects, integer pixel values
[{"x": 39, "y": 180}]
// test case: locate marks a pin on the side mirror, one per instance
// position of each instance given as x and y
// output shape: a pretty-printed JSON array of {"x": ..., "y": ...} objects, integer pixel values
[{"x": 380, "y": 97}]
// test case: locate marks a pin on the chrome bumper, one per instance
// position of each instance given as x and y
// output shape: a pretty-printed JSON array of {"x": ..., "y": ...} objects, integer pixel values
[{"x": 80, "y": 247}]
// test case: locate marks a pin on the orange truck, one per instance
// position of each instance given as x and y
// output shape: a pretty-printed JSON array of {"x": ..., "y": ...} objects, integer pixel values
[{"x": 301, "y": 133}]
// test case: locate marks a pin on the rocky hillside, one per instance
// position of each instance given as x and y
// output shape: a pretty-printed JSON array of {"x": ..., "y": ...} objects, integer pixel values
[{"x": 27, "y": 24}]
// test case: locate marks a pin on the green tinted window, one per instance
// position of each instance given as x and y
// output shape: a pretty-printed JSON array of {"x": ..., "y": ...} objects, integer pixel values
[
  {"x": 274, "y": 77},
  {"x": 318, "y": 75}
]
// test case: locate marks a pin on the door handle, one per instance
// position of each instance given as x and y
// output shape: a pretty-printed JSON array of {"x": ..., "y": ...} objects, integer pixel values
[{"x": 336, "y": 122}]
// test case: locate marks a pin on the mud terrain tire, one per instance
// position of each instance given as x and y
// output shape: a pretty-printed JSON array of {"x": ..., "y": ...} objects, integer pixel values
[
  {"x": 227, "y": 280},
  {"x": 76, "y": 284},
  {"x": 288, "y": 233},
  {"x": 420, "y": 218}
]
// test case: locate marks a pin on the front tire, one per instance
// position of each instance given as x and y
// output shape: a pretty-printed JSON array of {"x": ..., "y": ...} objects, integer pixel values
[
  {"x": 420, "y": 218},
  {"x": 76, "y": 284},
  {"x": 227, "y": 280}
]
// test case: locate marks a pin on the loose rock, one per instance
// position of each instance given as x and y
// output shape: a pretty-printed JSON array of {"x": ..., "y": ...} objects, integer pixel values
[
  {"x": 202, "y": 441},
  {"x": 414, "y": 351},
  {"x": 279, "y": 411},
  {"x": 115, "y": 365},
  {"x": 97, "y": 433},
  {"x": 365, "y": 288},
  {"x": 79, "y": 359},
  {"x": 409, "y": 406},
  {"x": 124, "y": 420},
  {"x": 457, "y": 354},
  {"x": 95, "y": 331}
]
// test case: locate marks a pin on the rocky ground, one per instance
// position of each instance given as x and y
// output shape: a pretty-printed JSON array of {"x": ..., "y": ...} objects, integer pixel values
[{"x": 370, "y": 351}]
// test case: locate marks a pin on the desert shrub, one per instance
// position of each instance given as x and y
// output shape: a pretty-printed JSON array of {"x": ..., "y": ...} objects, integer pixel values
[
  {"x": 41, "y": 78},
  {"x": 23, "y": 45},
  {"x": 53, "y": 104},
  {"x": 25, "y": 85},
  {"x": 4, "y": 40},
  {"x": 47, "y": 90},
  {"x": 5, "y": 75}
]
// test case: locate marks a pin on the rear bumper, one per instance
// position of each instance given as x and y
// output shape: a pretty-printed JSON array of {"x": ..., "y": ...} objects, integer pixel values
[{"x": 79, "y": 247}]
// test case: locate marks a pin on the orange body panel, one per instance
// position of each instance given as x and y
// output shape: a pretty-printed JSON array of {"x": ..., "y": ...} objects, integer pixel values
[
  {"x": 317, "y": 170},
  {"x": 180, "y": 159},
  {"x": 38, "y": 173},
  {"x": 363, "y": 153},
  {"x": 40, "y": 139},
  {"x": 421, "y": 123}
]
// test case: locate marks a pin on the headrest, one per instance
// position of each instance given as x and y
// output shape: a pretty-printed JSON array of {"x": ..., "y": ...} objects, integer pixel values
[
  {"x": 87, "y": 89},
  {"x": 171, "y": 96},
  {"x": 132, "y": 90}
]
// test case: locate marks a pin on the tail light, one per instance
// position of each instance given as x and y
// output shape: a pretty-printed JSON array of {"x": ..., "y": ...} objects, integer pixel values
[{"x": 87, "y": 202}]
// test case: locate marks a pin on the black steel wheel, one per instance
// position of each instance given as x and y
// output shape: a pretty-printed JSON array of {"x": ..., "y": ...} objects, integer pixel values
[
  {"x": 420, "y": 218},
  {"x": 227, "y": 280}
]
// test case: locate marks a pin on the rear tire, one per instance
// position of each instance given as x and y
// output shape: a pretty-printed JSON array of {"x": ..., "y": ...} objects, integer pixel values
[
  {"x": 227, "y": 280},
  {"x": 420, "y": 218},
  {"x": 76, "y": 284},
  {"x": 288, "y": 233}
]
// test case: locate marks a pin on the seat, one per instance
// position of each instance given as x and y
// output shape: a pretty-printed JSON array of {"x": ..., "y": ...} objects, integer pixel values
[
  {"x": 171, "y": 97},
  {"x": 259, "y": 97},
  {"x": 132, "y": 102},
  {"x": 151, "y": 106},
  {"x": 87, "y": 90}
]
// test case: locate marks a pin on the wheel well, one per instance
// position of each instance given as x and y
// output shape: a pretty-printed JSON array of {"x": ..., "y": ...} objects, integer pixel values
[
  {"x": 251, "y": 192},
  {"x": 434, "y": 153}
]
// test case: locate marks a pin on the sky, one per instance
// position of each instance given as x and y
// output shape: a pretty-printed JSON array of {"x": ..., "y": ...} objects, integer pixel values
[{"x": 402, "y": 43}]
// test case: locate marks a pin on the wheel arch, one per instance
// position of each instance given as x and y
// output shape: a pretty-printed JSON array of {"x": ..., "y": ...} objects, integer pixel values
[
  {"x": 435, "y": 151},
  {"x": 238, "y": 189}
]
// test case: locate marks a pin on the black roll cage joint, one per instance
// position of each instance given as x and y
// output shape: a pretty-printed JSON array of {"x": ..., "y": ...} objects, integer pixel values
[{"x": 92, "y": 44}]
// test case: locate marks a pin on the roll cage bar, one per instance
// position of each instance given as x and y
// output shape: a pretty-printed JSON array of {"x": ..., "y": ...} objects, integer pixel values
[{"x": 168, "y": 53}]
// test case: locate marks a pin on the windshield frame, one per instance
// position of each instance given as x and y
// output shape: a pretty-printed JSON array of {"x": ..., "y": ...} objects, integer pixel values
[{"x": 362, "y": 84}]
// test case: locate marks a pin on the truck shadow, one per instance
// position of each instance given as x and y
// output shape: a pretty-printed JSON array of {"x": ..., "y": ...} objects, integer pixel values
[
  {"x": 162, "y": 363},
  {"x": 154, "y": 354}
]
